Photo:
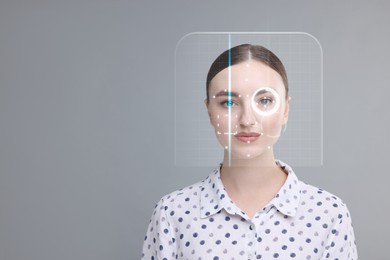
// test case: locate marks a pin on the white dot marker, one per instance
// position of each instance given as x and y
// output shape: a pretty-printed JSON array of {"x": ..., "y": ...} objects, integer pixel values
[
  {"x": 246, "y": 79},
  {"x": 226, "y": 147},
  {"x": 248, "y": 142},
  {"x": 213, "y": 96},
  {"x": 217, "y": 116},
  {"x": 225, "y": 90},
  {"x": 269, "y": 147},
  {"x": 218, "y": 125},
  {"x": 248, "y": 155},
  {"x": 247, "y": 95},
  {"x": 239, "y": 95},
  {"x": 218, "y": 132}
]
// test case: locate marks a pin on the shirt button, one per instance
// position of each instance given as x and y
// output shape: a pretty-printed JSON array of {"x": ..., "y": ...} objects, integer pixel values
[{"x": 252, "y": 227}]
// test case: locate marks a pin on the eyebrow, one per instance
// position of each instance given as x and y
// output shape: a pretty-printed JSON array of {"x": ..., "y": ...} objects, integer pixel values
[
  {"x": 226, "y": 93},
  {"x": 261, "y": 92},
  {"x": 235, "y": 94}
]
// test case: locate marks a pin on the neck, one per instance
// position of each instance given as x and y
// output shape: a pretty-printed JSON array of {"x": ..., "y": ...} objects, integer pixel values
[
  {"x": 264, "y": 160},
  {"x": 251, "y": 175}
]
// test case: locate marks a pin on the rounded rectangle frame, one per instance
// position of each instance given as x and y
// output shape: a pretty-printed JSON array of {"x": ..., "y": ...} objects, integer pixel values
[{"x": 195, "y": 143}]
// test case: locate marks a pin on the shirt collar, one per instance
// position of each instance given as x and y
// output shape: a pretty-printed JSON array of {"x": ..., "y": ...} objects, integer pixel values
[
  {"x": 288, "y": 197},
  {"x": 212, "y": 194},
  {"x": 214, "y": 197}
]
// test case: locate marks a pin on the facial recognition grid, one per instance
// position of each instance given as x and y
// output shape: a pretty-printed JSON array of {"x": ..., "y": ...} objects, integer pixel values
[{"x": 195, "y": 141}]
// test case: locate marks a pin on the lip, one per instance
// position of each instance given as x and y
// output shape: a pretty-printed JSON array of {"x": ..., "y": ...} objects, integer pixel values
[{"x": 247, "y": 137}]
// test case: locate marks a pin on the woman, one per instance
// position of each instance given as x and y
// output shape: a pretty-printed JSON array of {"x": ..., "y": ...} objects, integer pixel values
[{"x": 252, "y": 206}]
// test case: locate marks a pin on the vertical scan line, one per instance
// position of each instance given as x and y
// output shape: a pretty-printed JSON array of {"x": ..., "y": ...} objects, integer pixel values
[{"x": 229, "y": 101}]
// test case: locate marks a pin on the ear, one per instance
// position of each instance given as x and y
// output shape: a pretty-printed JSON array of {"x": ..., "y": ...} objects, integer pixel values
[
  {"x": 286, "y": 110},
  {"x": 207, "y": 108}
]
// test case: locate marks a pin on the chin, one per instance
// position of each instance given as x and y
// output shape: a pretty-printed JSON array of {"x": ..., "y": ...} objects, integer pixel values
[{"x": 243, "y": 153}]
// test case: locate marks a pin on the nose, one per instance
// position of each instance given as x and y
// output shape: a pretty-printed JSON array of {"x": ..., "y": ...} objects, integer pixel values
[{"x": 247, "y": 116}]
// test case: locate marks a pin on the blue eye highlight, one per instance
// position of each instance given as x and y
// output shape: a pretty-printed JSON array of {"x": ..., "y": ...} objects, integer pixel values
[{"x": 227, "y": 103}]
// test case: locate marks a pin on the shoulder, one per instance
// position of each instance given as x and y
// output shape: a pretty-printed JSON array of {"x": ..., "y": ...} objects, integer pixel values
[
  {"x": 181, "y": 199},
  {"x": 330, "y": 216},
  {"x": 314, "y": 201},
  {"x": 322, "y": 202}
]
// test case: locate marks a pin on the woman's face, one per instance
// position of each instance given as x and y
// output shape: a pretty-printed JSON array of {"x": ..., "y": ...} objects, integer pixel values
[{"x": 254, "y": 114}]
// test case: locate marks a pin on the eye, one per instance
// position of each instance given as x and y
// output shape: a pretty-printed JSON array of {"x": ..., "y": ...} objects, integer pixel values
[
  {"x": 228, "y": 103},
  {"x": 265, "y": 101}
]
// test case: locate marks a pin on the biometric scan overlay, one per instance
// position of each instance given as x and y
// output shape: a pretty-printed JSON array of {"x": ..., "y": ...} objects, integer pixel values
[{"x": 248, "y": 94}]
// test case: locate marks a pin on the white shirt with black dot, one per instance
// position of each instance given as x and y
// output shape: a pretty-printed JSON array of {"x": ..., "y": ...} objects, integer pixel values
[{"x": 201, "y": 222}]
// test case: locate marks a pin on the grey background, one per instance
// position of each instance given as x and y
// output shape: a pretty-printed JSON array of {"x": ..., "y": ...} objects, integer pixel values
[
  {"x": 86, "y": 116},
  {"x": 301, "y": 54}
]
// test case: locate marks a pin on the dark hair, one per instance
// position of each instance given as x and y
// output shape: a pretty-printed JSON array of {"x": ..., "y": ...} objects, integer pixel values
[{"x": 244, "y": 52}]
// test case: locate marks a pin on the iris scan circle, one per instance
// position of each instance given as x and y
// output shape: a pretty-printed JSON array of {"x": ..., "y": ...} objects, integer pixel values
[{"x": 276, "y": 101}]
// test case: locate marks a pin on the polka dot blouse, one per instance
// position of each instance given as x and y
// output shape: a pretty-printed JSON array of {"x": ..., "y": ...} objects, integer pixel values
[{"x": 201, "y": 222}]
